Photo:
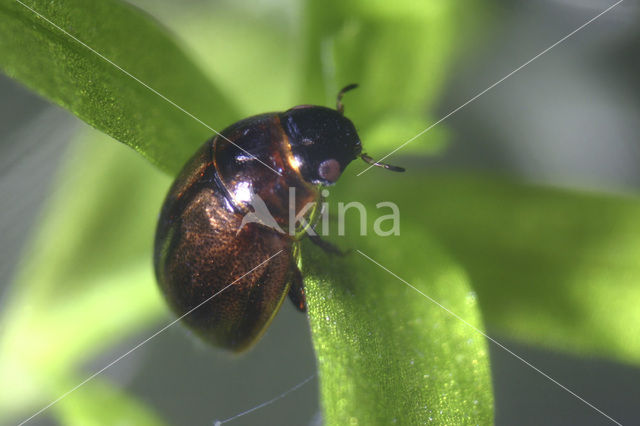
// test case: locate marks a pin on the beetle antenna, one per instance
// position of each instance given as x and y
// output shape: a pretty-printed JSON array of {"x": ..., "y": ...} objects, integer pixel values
[
  {"x": 371, "y": 161},
  {"x": 344, "y": 90}
]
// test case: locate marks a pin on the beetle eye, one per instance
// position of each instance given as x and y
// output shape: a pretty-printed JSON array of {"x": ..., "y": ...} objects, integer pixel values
[{"x": 329, "y": 170}]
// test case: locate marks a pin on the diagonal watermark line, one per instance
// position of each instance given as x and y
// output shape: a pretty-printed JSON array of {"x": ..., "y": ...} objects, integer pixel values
[
  {"x": 500, "y": 345},
  {"x": 269, "y": 402},
  {"x": 64, "y": 395},
  {"x": 494, "y": 84},
  {"x": 101, "y": 56}
]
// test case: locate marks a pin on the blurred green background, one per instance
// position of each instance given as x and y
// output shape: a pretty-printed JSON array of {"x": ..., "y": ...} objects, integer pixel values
[{"x": 567, "y": 120}]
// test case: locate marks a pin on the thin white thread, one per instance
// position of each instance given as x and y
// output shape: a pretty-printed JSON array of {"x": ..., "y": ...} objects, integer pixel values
[
  {"x": 494, "y": 341},
  {"x": 494, "y": 84},
  {"x": 143, "y": 342},
  {"x": 145, "y": 85},
  {"x": 264, "y": 404}
]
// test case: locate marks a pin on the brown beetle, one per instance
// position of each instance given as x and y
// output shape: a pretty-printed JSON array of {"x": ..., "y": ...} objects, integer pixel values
[{"x": 205, "y": 254}]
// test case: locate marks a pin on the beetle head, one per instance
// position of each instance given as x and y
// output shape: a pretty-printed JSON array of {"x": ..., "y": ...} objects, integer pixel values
[{"x": 324, "y": 142}]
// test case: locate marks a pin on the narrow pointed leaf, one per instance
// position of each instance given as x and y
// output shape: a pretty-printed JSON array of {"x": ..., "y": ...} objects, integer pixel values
[
  {"x": 400, "y": 53},
  {"x": 60, "y": 68},
  {"x": 386, "y": 353},
  {"x": 551, "y": 267},
  {"x": 86, "y": 282}
]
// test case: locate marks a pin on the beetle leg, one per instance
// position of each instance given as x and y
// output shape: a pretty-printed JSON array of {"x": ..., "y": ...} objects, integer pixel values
[
  {"x": 296, "y": 291},
  {"x": 327, "y": 246}
]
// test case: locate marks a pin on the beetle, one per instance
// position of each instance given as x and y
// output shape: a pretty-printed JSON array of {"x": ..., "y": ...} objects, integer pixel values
[{"x": 210, "y": 265}]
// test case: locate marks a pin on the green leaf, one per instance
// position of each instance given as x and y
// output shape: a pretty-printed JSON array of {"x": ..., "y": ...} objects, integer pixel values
[
  {"x": 64, "y": 71},
  {"x": 101, "y": 403},
  {"x": 399, "y": 52},
  {"x": 551, "y": 267},
  {"x": 260, "y": 67},
  {"x": 386, "y": 354},
  {"x": 86, "y": 281}
]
